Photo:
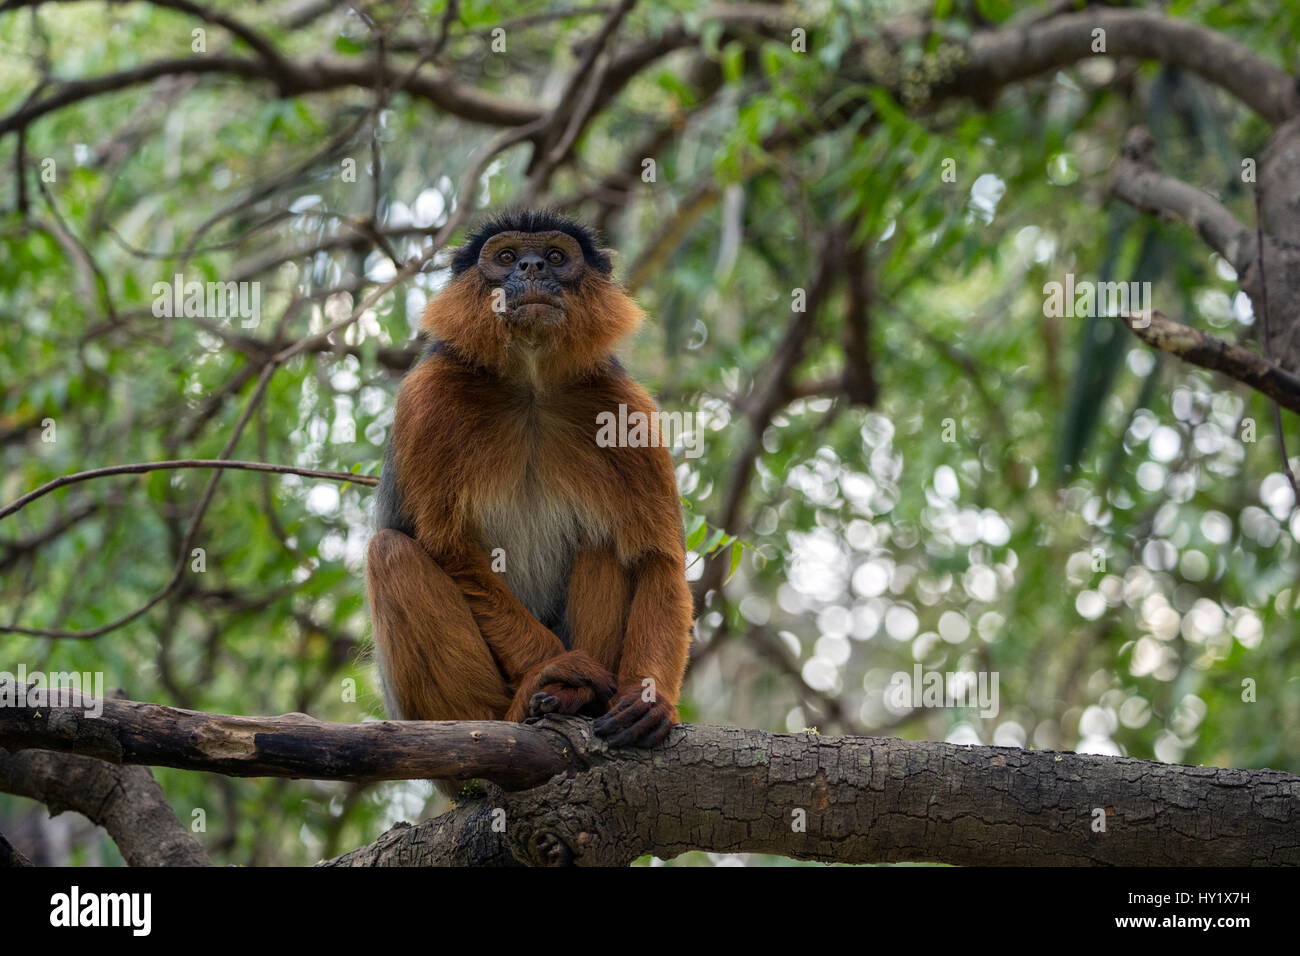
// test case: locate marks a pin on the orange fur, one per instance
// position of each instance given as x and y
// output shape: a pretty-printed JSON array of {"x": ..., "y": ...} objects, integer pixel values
[
  {"x": 598, "y": 316},
  {"x": 580, "y": 683},
  {"x": 436, "y": 664},
  {"x": 493, "y": 422},
  {"x": 600, "y": 594}
]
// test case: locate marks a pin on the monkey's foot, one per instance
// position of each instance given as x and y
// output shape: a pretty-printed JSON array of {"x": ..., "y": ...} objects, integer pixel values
[{"x": 572, "y": 683}]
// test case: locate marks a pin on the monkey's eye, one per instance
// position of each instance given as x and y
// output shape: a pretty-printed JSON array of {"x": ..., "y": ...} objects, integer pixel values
[
  {"x": 555, "y": 257},
  {"x": 506, "y": 256}
]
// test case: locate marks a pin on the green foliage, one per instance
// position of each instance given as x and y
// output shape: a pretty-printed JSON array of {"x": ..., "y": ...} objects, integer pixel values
[{"x": 1032, "y": 496}]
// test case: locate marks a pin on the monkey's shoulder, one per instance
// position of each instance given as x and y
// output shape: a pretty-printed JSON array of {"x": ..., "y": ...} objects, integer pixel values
[{"x": 443, "y": 389}]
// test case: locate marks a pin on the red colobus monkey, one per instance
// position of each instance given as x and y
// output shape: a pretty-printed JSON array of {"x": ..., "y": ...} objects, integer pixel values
[{"x": 520, "y": 567}]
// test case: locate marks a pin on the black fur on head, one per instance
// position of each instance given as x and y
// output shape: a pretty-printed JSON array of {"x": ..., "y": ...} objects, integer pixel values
[{"x": 531, "y": 220}]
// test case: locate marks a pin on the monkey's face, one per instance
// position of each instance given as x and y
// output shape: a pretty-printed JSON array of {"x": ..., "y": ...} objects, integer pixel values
[
  {"x": 530, "y": 274},
  {"x": 531, "y": 295}
]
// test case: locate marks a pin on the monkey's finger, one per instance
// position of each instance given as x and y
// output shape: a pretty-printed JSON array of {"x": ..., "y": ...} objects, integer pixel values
[
  {"x": 648, "y": 723},
  {"x": 620, "y": 717},
  {"x": 610, "y": 717},
  {"x": 656, "y": 735},
  {"x": 623, "y": 703},
  {"x": 617, "y": 717}
]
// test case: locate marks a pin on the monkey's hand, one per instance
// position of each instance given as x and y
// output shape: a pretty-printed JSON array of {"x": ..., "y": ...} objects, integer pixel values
[
  {"x": 632, "y": 720},
  {"x": 572, "y": 683}
]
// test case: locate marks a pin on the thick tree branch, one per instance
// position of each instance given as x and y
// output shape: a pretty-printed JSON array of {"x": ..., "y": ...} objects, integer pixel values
[
  {"x": 724, "y": 789},
  {"x": 125, "y": 801},
  {"x": 864, "y": 799},
  {"x": 1003, "y": 56},
  {"x": 292, "y": 745}
]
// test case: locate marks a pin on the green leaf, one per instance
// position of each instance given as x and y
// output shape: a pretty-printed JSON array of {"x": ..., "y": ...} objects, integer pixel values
[{"x": 346, "y": 44}]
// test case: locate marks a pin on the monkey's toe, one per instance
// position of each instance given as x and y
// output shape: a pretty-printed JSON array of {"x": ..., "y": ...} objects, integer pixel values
[
  {"x": 542, "y": 703},
  {"x": 558, "y": 699}
]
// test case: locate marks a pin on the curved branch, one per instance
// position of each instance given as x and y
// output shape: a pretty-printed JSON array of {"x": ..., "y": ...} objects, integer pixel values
[
  {"x": 125, "y": 801},
  {"x": 319, "y": 76},
  {"x": 1003, "y": 56},
  {"x": 139, "y": 468},
  {"x": 1138, "y": 182},
  {"x": 258, "y": 43},
  {"x": 306, "y": 344}
]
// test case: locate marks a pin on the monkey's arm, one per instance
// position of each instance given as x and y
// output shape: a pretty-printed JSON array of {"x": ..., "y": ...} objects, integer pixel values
[
  {"x": 519, "y": 642},
  {"x": 658, "y": 636},
  {"x": 542, "y": 674},
  {"x": 644, "y": 709}
]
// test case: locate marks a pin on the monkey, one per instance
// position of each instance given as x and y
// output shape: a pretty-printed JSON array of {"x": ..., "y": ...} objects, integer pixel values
[{"x": 520, "y": 567}]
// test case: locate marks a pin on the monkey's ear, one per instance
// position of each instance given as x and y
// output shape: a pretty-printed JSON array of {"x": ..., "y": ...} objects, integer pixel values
[{"x": 611, "y": 253}]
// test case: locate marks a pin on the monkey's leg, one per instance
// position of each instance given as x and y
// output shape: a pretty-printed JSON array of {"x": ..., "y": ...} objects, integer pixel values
[
  {"x": 545, "y": 677},
  {"x": 600, "y": 596},
  {"x": 433, "y": 661},
  {"x": 519, "y": 642},
  {"x": 655, "y": 650},
  {"x": 582, "y": 681}
]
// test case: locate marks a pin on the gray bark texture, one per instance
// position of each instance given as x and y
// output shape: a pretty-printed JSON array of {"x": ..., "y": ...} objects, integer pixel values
[
  {"x": 859, "y": 800},
  {"x": 125, "y": 801}
]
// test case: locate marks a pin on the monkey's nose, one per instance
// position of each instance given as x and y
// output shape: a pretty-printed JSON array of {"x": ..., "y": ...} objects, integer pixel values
[{"x": 531, "y": 263}]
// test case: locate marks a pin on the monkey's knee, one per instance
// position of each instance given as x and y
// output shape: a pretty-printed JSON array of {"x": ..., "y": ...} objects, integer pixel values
[
  {"x": 390, "y": 551},
  {"x": 433, "y": 661}
]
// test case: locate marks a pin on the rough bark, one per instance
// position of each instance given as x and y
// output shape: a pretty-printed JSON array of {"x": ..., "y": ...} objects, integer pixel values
[
  {"x": 866, "y": 800},
  {"x": 722, "y": 789},
  {"x": 292, "y": 745},
  {"x": 125, "y": 801},
  {"x": 11, "y": 856}
]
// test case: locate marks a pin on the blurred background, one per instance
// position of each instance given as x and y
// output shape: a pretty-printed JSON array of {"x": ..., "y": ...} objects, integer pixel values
[{"x": 916, "y": 467}]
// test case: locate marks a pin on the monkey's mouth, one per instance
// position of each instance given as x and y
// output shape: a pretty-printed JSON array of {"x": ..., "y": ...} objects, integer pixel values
[
  {"x": 536, "y": 305},
  {"x": 539, "y": 298}
]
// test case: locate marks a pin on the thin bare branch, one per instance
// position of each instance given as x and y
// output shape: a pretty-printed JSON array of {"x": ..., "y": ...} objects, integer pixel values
[
  {"x": 1207, "y": 351},
  {"x": 139, "y": 468}
]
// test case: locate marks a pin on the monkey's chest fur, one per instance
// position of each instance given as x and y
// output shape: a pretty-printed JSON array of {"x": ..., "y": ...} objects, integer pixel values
[
  {"x": 540, "y": 506},
  {"x": 532, "y": 539},
  {"x": 518, "y": 472}
]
